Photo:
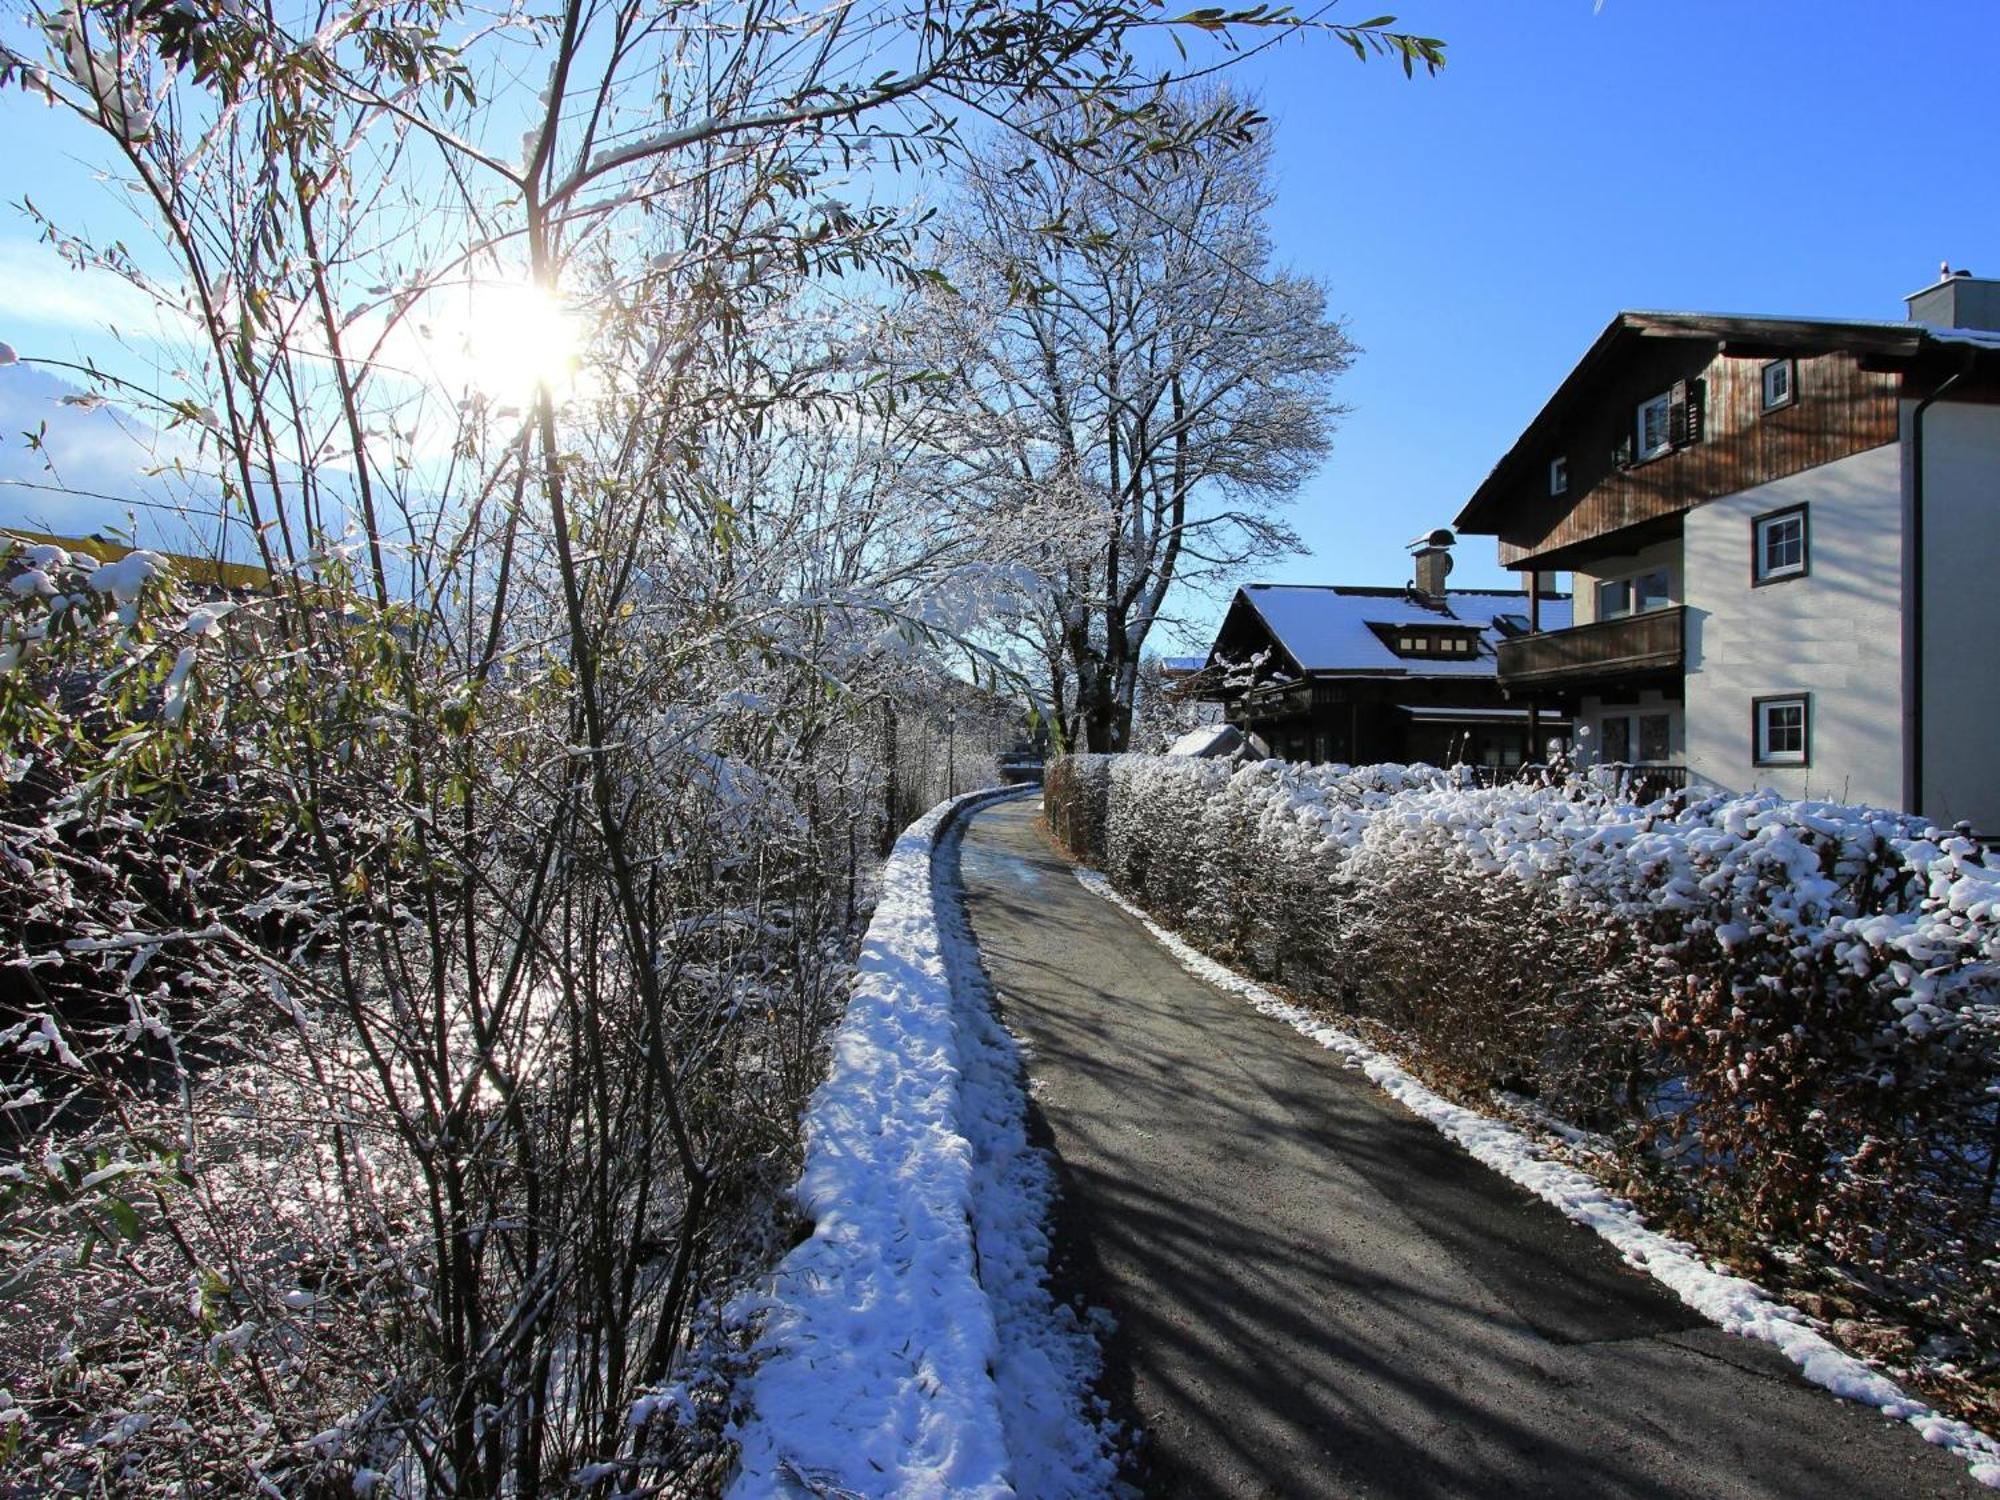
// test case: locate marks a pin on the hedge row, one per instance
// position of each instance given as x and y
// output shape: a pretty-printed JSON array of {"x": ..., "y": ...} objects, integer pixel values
[{"x": 1784, "y": 1017}]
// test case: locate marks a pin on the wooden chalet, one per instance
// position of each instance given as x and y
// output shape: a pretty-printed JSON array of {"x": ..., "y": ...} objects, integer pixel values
[{"x": 1341, "y": 674}]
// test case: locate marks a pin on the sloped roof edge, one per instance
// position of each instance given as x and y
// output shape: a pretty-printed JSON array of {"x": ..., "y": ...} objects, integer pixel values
[{"x": 1899, "y": 339}]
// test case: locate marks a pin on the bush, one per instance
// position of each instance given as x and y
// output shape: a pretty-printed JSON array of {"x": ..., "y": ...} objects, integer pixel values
[{"x": 1784, "y": 1016}]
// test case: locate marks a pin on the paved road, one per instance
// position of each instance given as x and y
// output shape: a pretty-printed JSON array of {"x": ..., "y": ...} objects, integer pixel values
[{"x": 1318, "y": 1295}]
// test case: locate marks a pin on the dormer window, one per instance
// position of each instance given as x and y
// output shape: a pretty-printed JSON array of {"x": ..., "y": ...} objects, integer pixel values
[
  {"x": 1460, "y": 643},
  {"x": 1559, "y": 476}
]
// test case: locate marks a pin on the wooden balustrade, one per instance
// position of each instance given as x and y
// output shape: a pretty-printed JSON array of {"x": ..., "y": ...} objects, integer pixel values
[{"x": 1628, "y": 646}]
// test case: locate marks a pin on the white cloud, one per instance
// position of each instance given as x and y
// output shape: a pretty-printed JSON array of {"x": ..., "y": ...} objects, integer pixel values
[
  {"x": 91, "y": 469},
  {"x": 40, "y": 291}
]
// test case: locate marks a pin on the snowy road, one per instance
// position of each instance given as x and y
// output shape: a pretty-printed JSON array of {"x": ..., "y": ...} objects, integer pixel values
[{"x": 1318, "y": 1295}]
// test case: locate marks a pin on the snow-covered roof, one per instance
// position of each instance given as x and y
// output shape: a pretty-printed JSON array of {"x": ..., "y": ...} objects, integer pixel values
[
  {"x": 1983, "y": 337},
  {"x": 1328, "y": 627},
  {"x": 1207, "y": 740}
]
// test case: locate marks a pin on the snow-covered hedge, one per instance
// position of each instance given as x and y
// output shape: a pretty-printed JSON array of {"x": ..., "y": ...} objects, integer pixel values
[
  {"x": 1785, "y": 1015},
  {"x": 909, "y": 1346}
]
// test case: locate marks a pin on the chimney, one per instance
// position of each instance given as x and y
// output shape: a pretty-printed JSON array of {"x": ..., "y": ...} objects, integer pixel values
[
  {"x": 1433, "y": 555},
  {"x": 1958, "y": 300}
]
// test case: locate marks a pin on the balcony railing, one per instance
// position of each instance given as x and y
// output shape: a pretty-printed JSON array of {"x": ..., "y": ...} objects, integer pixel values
[
  {"x": 1628, "y": 646},
  {"x": 1640, "y": 783}
]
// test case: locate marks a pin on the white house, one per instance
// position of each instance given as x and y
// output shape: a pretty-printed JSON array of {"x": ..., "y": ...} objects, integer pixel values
[{"x": 1785, "y": 535}]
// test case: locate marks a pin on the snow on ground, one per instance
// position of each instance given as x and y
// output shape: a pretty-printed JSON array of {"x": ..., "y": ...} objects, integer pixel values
[
  {"x": 1732, "y": 1303},
  {"x": 909, "y": 1346}
]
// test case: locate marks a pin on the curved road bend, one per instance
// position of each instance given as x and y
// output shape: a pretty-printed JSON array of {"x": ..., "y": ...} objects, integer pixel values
[{"x": 1318, "y": 1295}]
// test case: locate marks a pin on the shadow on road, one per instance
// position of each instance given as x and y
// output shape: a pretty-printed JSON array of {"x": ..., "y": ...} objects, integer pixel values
[{"x": 1317, "y": 1294}]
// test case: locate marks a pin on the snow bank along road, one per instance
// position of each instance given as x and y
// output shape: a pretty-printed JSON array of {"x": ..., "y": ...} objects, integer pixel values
[
  {"x": 909, "y": 1346},
  {"x": 1318, "y": 1294}
]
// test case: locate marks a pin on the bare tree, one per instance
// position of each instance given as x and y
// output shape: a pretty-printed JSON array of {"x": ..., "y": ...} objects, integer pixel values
[
  {"x": 415, "y": 962},
  {"x": 1135, "y": 357}
]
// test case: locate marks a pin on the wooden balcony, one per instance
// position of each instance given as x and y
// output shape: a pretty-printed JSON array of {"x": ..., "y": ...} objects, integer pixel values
[{"x": 1606, "y": 650}]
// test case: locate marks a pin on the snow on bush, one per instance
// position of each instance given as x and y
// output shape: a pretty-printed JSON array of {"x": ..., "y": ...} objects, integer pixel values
[
  {"x": 357, "y": 1135},
  {"x": 1728, "y": 1301},
  {"x": 909, "y": 1347},
  {"x": 1785, "y": 1016}
]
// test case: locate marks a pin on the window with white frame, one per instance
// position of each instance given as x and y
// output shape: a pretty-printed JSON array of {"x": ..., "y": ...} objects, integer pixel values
[
  {"x": 1653, "y": 428},
  {"x": 1632, "y": 596},
  {"x": 1781, "y": 730},
  {"x": 1780, "y": 378},
  {"x": 1778, "y": 542},
  {"x": 1559, "y": 476}
]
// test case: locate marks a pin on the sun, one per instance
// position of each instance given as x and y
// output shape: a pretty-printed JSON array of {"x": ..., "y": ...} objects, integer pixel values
[{"x": 510, "y": 339}]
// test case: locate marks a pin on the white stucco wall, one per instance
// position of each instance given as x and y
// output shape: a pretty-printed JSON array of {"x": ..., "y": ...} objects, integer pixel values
[
  {"x": 1835, "y": 633},
  {"x": 1961, "y": 660}
]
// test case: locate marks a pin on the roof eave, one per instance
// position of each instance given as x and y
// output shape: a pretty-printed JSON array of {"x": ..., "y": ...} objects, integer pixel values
[
  {"x": 1882, "y": 340},
  {"x": 1470, "y": 518},
  {"x": 1277, "y": 641}
]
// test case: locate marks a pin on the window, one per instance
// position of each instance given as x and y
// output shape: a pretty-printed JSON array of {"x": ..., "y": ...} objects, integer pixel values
[
  {"x": 1778, "y": 545},
  {"x": 1406, "y": 642},
  {"x": 1655, "y": 730},
  {"x": 1617, "y": 741},
  {"x": 1642, "y": 739},
  {"x": 1632, "y": 596},
  {"x": 1779, "y": 379},
  {"x": 1781, "y": 730},
  {"x": 1654, "y": 429},
  {"x": 1559, "y": 476}
]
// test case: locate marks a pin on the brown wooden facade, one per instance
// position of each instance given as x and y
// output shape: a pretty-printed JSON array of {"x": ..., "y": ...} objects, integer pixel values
[
  {"x": 1363, "y": 720},
  {"x": 1632, "y": 648},
  {"x": 1333, "y": 676},
  {"x": 1848, "y": 382},
  {"x": 1840, "y": 409}
]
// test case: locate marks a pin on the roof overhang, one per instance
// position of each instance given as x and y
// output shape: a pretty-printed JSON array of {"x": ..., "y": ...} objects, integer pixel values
[
  {"x": 1883, "y": 346},
  {"x": 1244, "y": 607}
]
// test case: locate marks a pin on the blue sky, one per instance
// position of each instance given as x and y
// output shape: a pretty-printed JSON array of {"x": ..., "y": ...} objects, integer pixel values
[{"x": 1479, "y": 228}]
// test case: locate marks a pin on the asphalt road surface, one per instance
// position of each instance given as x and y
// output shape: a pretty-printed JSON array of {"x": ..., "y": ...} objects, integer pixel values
[{"x": 1317, "y": 1294}]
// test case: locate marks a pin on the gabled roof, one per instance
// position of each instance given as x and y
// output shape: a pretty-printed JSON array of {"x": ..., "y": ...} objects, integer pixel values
[
  {"x": 1892, "y": 343},
  {"x": 1328, "y": 628}
]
